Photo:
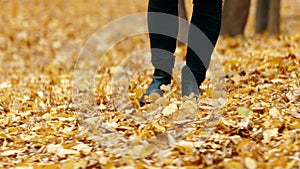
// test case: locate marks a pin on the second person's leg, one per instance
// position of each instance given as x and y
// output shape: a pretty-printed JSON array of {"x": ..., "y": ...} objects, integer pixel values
[
  {"x": 207, "y": 18},
  {"x": 161, "y": 26}
]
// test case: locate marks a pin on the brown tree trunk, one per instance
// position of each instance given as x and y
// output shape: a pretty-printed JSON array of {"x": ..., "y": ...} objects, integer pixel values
[
  {"x": 274, "y": 17},
  {"x": 234, "y": 19},
  {"x": 261, "y": 17},
  {"x": 183, "y": 27}
]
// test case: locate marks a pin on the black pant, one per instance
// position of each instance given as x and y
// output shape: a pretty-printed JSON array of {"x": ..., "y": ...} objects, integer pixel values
[{"x": 206, "y": 17}]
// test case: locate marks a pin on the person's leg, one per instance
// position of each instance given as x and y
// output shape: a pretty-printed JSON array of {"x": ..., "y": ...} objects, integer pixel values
[
  {"x": 162, "y": 45},
  {"x": 206, "y": 17}
]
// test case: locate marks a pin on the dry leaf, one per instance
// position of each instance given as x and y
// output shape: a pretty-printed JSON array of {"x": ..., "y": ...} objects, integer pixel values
[
  {"x": 153, "y": 97},
  {"x": 245, "y": 112},
  {"x": 268, "y": 134},
  {"x": 242, "y": 144},
  {"x": 232, "y": 164},
  {"x": 47, "y": 166},
  {"x": 291, "y": 164},
  {"x": 82, "y": 94},
  {"x": 295, "y": 113},
  {"x": 63, "y": 152},
  {"x": 236, "y": 78},
  {"x": 274, "y": 112},
  {"x": 54, "y": 148},
  {"x": 250, "y": 163},
  {"x": 10, "y": 152},
  {"x": 235, "y": 139},
  {"x": 69, "y": 164},
  {"x": 170, "y": 109},
  {"x": 162, "y": 101},
  {"x": 148, "y": 149},
  {"x": 85, "y": 149},
  {"x": 185, "y": 146}
]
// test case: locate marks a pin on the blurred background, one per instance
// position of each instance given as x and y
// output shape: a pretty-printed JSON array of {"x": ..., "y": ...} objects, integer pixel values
[
  {"x": 250, "y": 17},
  {"x": 45, "y": 36}
]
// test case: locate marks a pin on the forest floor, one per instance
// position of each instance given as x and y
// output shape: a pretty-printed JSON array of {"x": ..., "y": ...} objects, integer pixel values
[{"x": 248, "y": 115}]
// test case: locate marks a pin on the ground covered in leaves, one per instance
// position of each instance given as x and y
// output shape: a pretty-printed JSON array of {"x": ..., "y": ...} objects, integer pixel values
[{"x": 258, "y": 88}]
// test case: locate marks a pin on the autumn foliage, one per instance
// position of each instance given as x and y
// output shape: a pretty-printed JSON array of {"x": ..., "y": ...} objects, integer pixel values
[{"x": 41, "y": 128}]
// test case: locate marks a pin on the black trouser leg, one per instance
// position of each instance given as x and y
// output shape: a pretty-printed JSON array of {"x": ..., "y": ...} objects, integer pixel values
[
  {"x": 162, "y": 45},
  {"x": 162, "y": 28},
  {"x": 206, "y": 17}
]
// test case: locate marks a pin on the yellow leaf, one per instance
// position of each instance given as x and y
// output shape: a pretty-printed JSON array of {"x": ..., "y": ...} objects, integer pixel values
[
  {"x": 110, "y": 165},
  {"x": 158, "y": 127},
  {"x": 148, "y": 150},
  {"x": 185, "y": 146},
  {"x": 291, "y": 164},
  {"x": 49, "y": 68},
  {"x": 236, "y": 78},
  {"x": 68, "y": 165},
  {"x": 102, "y": 107},
  {"x": 228, "y": 122},
  {"x": 232, "y": 164},
  {"x": 294, "y": 125},
  {"x": 45, "y": 166},
  {"x": 268, "y": 134},
  {"x": 188, "y": 110},
  {"x": 162, "y": 101},
  {"x": 170, "y": 109},
  {"x": 274, "y": 112},
  {"x": 154, "y": 96},
  {"x": 10, "y": 152},
  {"x": 295, "y": 113},
  {"x": 40, "y": 94},
  {"x": 247, "y": 90},
  {"x": 85, "y": 149},
  {"x": 250, "y": 163},
  {"x": 242, "y": 144},
  {"x": 245, "y": 112},
  {"x": 53, "y": 148},
  {"x": 235, "y": 139},
  {"x": 67, "y": 152},
  {"x": 81, "y": 164}
]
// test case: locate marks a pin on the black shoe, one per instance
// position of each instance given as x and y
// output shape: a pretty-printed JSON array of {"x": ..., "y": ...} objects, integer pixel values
[
  {"x": 189, "y": 83},
  {"x": 159, "y": 78}
]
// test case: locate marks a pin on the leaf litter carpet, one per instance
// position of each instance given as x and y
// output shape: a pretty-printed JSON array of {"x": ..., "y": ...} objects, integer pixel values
[{"x": 248, "y": 115}]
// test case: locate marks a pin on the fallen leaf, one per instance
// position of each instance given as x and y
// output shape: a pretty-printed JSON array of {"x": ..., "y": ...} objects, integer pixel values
[
  {"x": 67, "y": 152},
  {"x": 242, "y": 144},
  {"x": 185, "y": 146},
  {"x": 245, "y": 112},
  {"x": 295, "y": 113},
  {"x": 162, "y": 101},
  {"x": 235, "y": 139},
  {"x": 291, "y": 164},
  {"x": 154, "y": 96},
  {"x": 10, "y": 152},
  {"x": 250, "y": 163},
  {"x": 81, "y": 164},
  {"x": 170, "y": 109},
  {"x": 236, "y": 78},
  {"x": 268, "y": 134},
  {"x": 232, "y": 164},
  {"x": 148, "y": 149},
  {"x": 68, "y": 165},
  {"x": 274, "y": 112},
  {"x": 53, "y": 148},
  {"x": 83, "y": 148},
  {"x": 47, "y": 166}
]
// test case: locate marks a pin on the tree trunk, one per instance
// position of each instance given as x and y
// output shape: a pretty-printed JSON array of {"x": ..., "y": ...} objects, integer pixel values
[
  {"x": 261, "y": 18},
  {"x": 183, "y": 28},
  {"x": 274, "y": 17},
  {"x": 234, "y": 19}
]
